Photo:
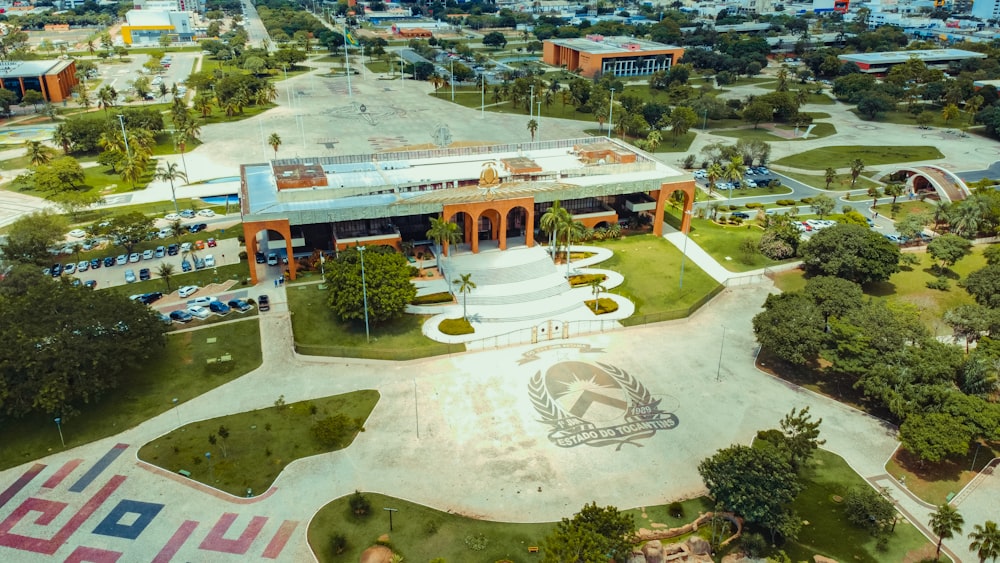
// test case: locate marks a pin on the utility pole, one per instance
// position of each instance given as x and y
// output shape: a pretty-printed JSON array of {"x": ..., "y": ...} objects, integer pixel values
[
  {"x": 611, "y": 110},
  {"x": 121, "y": 120}
]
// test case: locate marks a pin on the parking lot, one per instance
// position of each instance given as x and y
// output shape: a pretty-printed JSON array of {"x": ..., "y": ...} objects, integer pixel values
[{"x": 120, "y": 75}]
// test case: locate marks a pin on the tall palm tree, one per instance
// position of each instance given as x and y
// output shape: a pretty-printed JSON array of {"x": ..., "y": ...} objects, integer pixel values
[
  {"x": 38, "y": 153},
  {"x": 942, "y": 213},
  {"x": 465, "y": 287},
  {"x": 551, "y": 221},
  {"x": 712, "y": 174},
  {"x": 177, "y": 229},
  {"x": 857, "y": 167},
  {"x": 734, "y": 171},
  {"x": 945, "y": 522},
  {"x": 443, "y": 233},
  {"x": 169, "y": 172},
  {"x": 572, "y": 229},
  {"x": 61, "y": 136},
  {"x": 133, "y": 167},
  {"x": 188, "y": 131},
  {"x": 204, "y": 102},
  {"x": 165, "y": 271},
  {"x": 107, "y": 97},
  {"x": 275, "y": 141},
  {"x": 985, "y": 541},
  {"x": 532, "y": 127},
  {"x": 830, "y": 175},
  {"x": 596, "y": 287}
]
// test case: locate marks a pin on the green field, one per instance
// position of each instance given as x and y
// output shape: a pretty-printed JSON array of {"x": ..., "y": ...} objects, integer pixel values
[
  {"x": 821, "y": 130},
  {"x": 841, "y": 156},
  {"x": 179, "y": 371},
  {"x": 261, "y": 443},
  {"x": 841, "y": 182}
]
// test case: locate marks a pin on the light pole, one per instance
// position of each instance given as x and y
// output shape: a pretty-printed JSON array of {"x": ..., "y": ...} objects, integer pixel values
[
  {"x": 685, "y": 249},
  {"x": 482, "y": 98},
  {"x": 538, "y": 122},
  {"x": 531, "y": 101},
  {"x": 121, "y": 120},
  {"x": 611, "y": 109},
  {"x": 452, "y": 80},
  {"x": 59, "y": 428},
  {"x": 718, "y": 372},
  {"x": 347, "y": 63},
  {"x": 390, "y": 511},
  {"x": 704, "y": 123},
  {"x": 364, "y": 292},
  {"x": 211, "y": 474}
]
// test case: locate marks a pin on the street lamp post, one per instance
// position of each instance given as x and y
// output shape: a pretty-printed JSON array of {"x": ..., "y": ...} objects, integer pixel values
[
  {"x": 121, "y": 120},
  {"x": 718, "y": 372},
  {"x": 347, "y": 63},
  {"x": 482, "y": 98},
  {"x": 175, "y": 401},
  {"x": 211, "y": 474},
  {"x": 452, "y": 80},
  {"x": 59, "y": 428},
  {"x": 531, "y": 101},
  {"x": 704, "y": 123},
  {"x": 611, "y": 109},
  {"x": 390, "y": 511},
  {"x": 364, "y": 292}
]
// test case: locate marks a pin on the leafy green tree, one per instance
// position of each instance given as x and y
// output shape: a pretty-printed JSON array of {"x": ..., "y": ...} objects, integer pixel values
[
  {"x": 894, "y": 190},
  {"x": 791, "y": 327},
  {"x": 934, "y": 436},
  {"x": 829, "y": 175},
  {"x": 756, "y": 483},
  {"x": 44, "y": 325},
  {"x": 985, "y": 541},
  {"x": 801, "y": 436},
  {"x": 992, "y": 254},
  {"x": 465, "y": 286},
  {"x": 594, "y": 535},
  {"x": 851, "y": 252},
  {"x": 682, "y": 119},
  {"x": 532, "y": 127},
  {"x": 333, "y": 431},
  {"x": 59, "y": 175},
  {"x": 948, "y": 249},
  {"x": 38, "y": 153},
  {"x": 823, "y": 205},
  {"x": 758, "y": 112},
  {"x": 386, "y": 284},
  {"x": 32, "y": 98},
  {"x": 360, "y": 505},
  {"x": 30, "y": 237},
  {"x": 912, "y": 225},
  {"x": 495, "y": 39},
  {"x": 945, "y": 523},
  {"x": 969, "y": 322},
  {"x": 129, "y": 229},
  {"x": 857, "y": 167},
  {"x": 873, "y": 103},
  {"x": 835, "y": 297},
  {"x": 443, "y": 233},
  {"x": 984, "y": 286},
  {"x": 870, "y": 509}
]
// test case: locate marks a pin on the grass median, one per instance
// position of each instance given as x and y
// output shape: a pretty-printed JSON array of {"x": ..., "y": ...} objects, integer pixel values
[
  {"x": 181, "y": 370},
  {"x": 841, "y": 156}
]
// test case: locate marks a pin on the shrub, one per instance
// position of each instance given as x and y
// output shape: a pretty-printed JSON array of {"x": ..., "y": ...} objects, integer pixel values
[
  {"x": 333, "y": 430},
  {"x": 604, "y": 305},
  {"x": 785, "y": 202},
  {"x": 433, "y": 299},
  {"x": 941, "y": 283},
  {"x": 456, "y": 327},
  {"x": 338, "y": 543},
  {"x": 360, "y": 505},
  {"x": 774, "y": 248},
  {"x": 676, "y": 509},
  {"x": 689, "y": 161},
  {"x": 753, "y": 544},
  {"x": 431, "y": 527},
  {"x": 806, "y": 200},
  {"x": 580, "y": 280},
  {"x": 754, "y": 205},
  {"x": 477, "y": 542},
  {"x": 243, "y": 255}
]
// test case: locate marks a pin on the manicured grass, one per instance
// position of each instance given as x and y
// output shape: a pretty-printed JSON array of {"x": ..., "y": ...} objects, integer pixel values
[
  {"x": 154, "y": 209},
  {"x": 723, "y": 241},
  {"x": 906, "y": 118},
  {"x": 178, "y": 371},
  {"x": 471, "y": 97},
  {"x": 103, "y": 181},
  {"x": 456, "y": 327},
  {"x": 841, "y": 156},
  {"x": 830, "y": 533},
  {"x": 933, "y": 482},
  {"x": 821, "y": 130},
  {"x": 905, "y": 208},
  {"x": 840, "y": 181},
  {"x": 261, "y": 443},
  {"x": 421, "y": 533},
  {"x": 219, "y": 116},
  {"x": 15, "y": 163},
  {"x": 317, "y": 332},
  {"x": 651, "y": 267},
  {"x": 910, "y": 286}
]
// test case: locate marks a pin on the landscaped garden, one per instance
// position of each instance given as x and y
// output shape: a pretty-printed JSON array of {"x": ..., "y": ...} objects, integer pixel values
[
  {"x": 726, "y": 243},
  {"x": 841, "y": 156},
  {"x": 248, "y": 450},
  {"x": 936, "y": 482},
  {"x": 181, "y": 370}
]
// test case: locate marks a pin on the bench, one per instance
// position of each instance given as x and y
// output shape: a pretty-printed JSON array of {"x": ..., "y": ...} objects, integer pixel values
[
  {"x": 533, "y": 549},
  {"x": 185, "y": 473}
]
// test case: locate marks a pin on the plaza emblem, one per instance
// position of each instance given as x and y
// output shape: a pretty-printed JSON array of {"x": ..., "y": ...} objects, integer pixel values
[{"x": 595, "y": 404}]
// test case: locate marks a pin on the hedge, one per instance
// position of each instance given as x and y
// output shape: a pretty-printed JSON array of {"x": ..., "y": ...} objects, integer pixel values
[
  {"x": 581, "y": 280},
  {"x": 433, "y": 299},
  {"x": 456, "y": 327}
]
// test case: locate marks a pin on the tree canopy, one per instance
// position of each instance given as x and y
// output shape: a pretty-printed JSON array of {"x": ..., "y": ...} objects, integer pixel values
[
  {"x": 386, "y": 282},
  {"x": 593, "y": 535},
  {"x": 851, "y": 252},
  {"x": 30, "y": 237}
]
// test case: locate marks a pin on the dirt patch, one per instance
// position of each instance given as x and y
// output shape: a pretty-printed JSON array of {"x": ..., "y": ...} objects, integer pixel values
[{"x": 376, "y": 554}]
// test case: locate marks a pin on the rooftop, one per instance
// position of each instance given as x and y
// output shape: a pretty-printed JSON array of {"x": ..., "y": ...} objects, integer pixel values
[
  {"x": 14, "y": 69},
  {"x": 896, "y": 57},
  {"x": 601, "y": 45}
]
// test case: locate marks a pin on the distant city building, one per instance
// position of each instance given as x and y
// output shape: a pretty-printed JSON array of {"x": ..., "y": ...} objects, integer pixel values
[
  {"x": 986, "y": 9},
  {"x": 619, "y": 56},
  {"x": 55, "y": 79},
  {"x": 881, "y": 63},
  {"x": 146, "y": 27}
]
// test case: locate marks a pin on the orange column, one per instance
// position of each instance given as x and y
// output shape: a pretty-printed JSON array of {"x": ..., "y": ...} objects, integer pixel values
[
  {"x": 503, "y": 230},
  {"x": 474, "y": 227}
]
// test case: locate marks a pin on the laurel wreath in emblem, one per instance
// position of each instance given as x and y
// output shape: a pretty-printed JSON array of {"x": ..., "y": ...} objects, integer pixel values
[{"x": 555, "y": 417}]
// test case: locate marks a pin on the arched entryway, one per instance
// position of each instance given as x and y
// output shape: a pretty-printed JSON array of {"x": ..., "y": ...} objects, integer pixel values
[
  {"x": 662, "y": 195},
  {"x": 251, "y": 230},
  {"x": 491, "y": 220}
]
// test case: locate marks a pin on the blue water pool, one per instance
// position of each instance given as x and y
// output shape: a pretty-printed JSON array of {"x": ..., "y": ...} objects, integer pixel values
[
  {"x": 232, "y": 199},
  {"x": 222, "y": 180}
]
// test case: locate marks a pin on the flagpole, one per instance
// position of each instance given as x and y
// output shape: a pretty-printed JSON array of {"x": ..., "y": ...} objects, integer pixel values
[{"x": 347, "y": 61}]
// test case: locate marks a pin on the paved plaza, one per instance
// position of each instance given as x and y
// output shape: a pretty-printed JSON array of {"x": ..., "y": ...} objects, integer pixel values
[{"x": 529, "y": 433}]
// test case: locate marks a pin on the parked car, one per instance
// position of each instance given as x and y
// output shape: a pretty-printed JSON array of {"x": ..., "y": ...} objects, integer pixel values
[
  {"x": 121, "y": 260},
  {"x": 90, "y": 284},
  {"x": 197, "y": 227},
  {"x": 185, "y": 247},
  {"x": 259, "y": 257},
  {"x": 264, "y": 303},
  {"x": 95, "y": 263},
  {"x": 82, "y": 266},
  {"x": 187, "y": 214},
  {"x": 151, "y": 297},
  {"x": 272, "y": 259},
  {"x": 56, "y": 270},
  {"x": 78, "y": 233},
  {"x": 210, "y": 261},
  {"x": 109, "y": 261},
  {"x": 741, "y": 215},
  {"x": 160, "y": 251},
  {"x": 134, "y": 257},
  {"x": 69, "y": 269},
  {"x": 147, "y": 254},
  {"x": 211, "y": 243},
  {"x": 240, "y": 305},
  {"x": 173, "y": 249},
  {"x": 144, "y": 274},
  {"x": 187, "y": 290},
  {"x": 165, "y": 319},
  {"x": 206, "y": 213},
  {"x": 219, "y": 308},
  {"x": 199, "y": 263},
  {"x": 181, "y": 316},
  {"x": 129, "y": 276},
  {"x": 201, "y": 301},
  {"x": 198, "y": 312},
  {"x": 186, "y": 265},
  {"x": 172, "y": 216},
  {"x": 199, "y": 245}
]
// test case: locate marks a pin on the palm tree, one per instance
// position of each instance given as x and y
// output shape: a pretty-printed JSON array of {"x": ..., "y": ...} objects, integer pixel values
[
  {"x": 712, "y": 174},
  {"x": 275, "y": 141},
  {"x": 942, "y": 213},
  {"x": 443, "y": 233},
  {"x": 857, "y": 167},
  {"x": 831, "y": 175},
  {"x": 107, "y": 96},
  {"x": 177, "y": 230},
  {"x": 38, "y": 153},
  {"x": 204, "y": 102},
  {"x": 465, "y": 287},
  {"x": 532, "y": 127},
  {"x": 551, "y": 221},
  {"x": 169, "y": 172},
  {"x": 165, "y": 271},
  {"x": 61, "y": 136},
  {"x": 133, "y": 167},
  {"x": 985, "y": 541},
  {"x": 894, "y": 189},
  {"x": 188, "y": 131},
  {"x": 874, "y": 193},
  {"x": 734, "y": 171},
  {"x": 596, "y": 287},
  {"x": 572, "y": 228},
  {"x": 653, "y": 140},
  {"x": 945, "y": 522}
]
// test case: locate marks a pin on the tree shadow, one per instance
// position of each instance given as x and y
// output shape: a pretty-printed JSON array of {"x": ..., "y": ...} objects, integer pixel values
[
  {"x": 942, "y": 272},
  {"x": 880, "y": 289}
]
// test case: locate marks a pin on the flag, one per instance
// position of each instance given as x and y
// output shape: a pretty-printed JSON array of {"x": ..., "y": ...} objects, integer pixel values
[{"x": 350, "y": 38}]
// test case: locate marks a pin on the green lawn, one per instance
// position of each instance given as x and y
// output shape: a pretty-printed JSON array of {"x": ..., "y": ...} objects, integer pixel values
[
  {"x": 179, "y": 371},
  {"x": 933, "y": 482},
  {"x": 317, "y": 332},
  {"x": 261, "y": 443},
  {"x": 421, "y": 533},
  {"x": 200, "y": 278},
  {"x": 841, "y": 156},
  {"x": 830, "y": 534},
  {"x": 903, "y": 117},
  {"x": 651, "y": 267},
  {"x": 905, "y": 207},
  {"x": 840, "y": 181},
  {"x": 723, "y": 242},
  {"x": 821, "y": 130}
]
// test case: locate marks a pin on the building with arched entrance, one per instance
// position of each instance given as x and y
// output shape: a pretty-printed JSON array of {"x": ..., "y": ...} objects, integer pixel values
[{"x": 496, "y": 194}]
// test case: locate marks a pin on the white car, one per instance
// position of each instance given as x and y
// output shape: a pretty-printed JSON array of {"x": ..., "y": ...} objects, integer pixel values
[
  {"x": 78, "y": 233},
  {"x": 206, "y": 213},
  {"x": 186, "y": 247},
  {"x": 210, "y": 261},
  {"x": 187, "y": 290},
  {"x": 172, "y": 217},
  {"x": 201, "y": 301},
  {"x": 198, "y": 312}
]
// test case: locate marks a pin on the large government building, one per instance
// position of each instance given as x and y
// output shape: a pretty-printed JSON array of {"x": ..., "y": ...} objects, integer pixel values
[
  {"x": 496, "y": 194},
  {"x": 618, "y": 56}
]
